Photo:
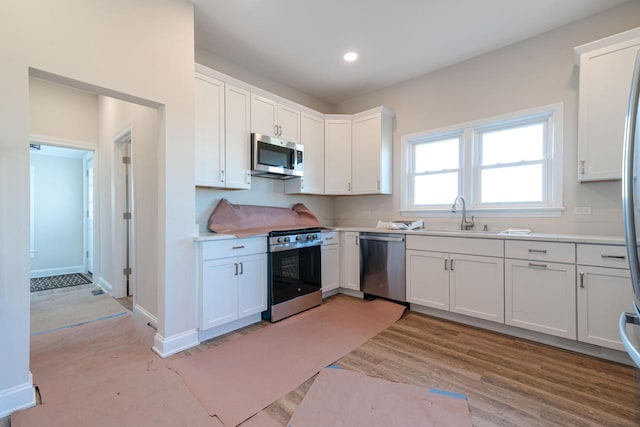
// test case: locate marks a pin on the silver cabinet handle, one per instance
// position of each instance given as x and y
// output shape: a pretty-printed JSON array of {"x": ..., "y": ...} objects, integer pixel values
[
  {"x": 241, "y": 268},
  {"x": 582, "y": 166},
  {"x": 445, "y": 265},
  {"x": 221, "y": 175},
  {"x": 582, "y": 279},
  {"x": 275, "y": 129},
  {"x": 614, "y": 256},
  {"x": 238, "y": 247},
  {"x": 537, "y": 251},
  {"x": 349, "y": 187},
  {"x": 357, "y": 240},
  {"x": 378, "y": 184},
  {"x": 328, "y": 238},
  {"x": 236, "y": 264},
  {"x": 533, "y": 264},
  {"x": 280, "y": 132},
  {"x": 302, "y": 183},
  {"x": 451, "y": 265}
]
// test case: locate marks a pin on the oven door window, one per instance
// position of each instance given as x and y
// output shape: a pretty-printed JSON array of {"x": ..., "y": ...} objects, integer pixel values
[
  {"x": 294, "y": 273},
  {"x": 275, "y": 156}
]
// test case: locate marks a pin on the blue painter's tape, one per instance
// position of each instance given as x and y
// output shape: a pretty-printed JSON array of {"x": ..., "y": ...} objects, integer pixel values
[
  {"x": 448, "y": 393},
  {"x": 81, "y": 323},
  {"x": 333, "y": 366}
]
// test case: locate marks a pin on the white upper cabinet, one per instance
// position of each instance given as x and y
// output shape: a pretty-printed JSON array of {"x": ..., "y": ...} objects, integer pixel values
[
  {"x": 337, "y": 156},
  {"x": 222, "y": 117},
  {"x": 371, "y": 152},
  {"x": 270, "y": 118},
  {"x": 209, "y": 131},
  {"x": 312, "y": 138},
  {"x": 606, "y": 68},
  {"x": 238, "y": 137}
]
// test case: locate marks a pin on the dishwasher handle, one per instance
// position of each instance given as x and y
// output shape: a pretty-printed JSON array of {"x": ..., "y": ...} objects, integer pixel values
[{"x": 382, "y": 238}]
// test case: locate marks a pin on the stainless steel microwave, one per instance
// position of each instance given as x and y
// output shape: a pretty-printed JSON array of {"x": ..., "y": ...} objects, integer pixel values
[{"x": 275, "y": 158}]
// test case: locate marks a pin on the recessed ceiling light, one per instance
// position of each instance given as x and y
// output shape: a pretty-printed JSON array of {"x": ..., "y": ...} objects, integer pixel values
[{"x": 350, "y": 56}]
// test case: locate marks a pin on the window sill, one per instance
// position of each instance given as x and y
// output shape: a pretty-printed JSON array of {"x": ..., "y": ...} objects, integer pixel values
[{"x": 539, "y": 212}]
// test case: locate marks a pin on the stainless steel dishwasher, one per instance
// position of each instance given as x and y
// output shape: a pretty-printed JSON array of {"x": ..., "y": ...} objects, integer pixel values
[{"x": 382, "y": 265}]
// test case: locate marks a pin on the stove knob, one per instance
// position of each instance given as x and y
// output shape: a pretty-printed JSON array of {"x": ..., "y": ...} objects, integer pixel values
[
  {"x": 315, "y": 236},
  {"x": 309, "y": 236},
  {"x": 298, "y": 237},
  {"x": 279, "y": 240},
  {"x": 287, "y": 239}
]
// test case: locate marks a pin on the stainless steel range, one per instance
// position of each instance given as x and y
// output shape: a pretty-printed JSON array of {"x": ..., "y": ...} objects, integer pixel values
[{"x": 295, "y": 282}]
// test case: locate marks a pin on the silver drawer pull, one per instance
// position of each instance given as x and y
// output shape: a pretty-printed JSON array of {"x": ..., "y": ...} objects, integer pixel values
[
  {"x": 236, "y": 264},
  {"x": 614, "y": 256},
  {"x": 328, "y": 238},
  {"x": 533, "y": 264},
  {"x": 537, "y": 251},
  {"x": 582, "y": 279},
  {"x": 238, "y": 247}
]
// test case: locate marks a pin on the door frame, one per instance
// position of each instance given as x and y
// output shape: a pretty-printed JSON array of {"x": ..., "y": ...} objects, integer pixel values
[{"x": 89, "y": 157}]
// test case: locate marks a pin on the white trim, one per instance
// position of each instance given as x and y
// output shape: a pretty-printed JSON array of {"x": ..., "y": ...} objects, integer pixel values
[
  {"x": 44, "y": 272},
  {"x": 32, "y": 212},
  {"x": 105, "y": 285},
  {"x": 351, "y": 292},
  {"x": 165, "y": 347},
  {"x": 207, "y": 334},
  {"x": 140, "y": 311},
  {"x": 541, "y": 212},
  {"x": 13, "y": 399},
  {"x": 62, "y": 142},
  {"x": 469, "y": 182}
]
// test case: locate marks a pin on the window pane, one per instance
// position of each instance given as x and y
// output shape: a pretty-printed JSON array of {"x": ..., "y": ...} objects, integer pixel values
[
  {"x": 437, "y": 155},
  {"x": 513, "y": 145},
  {"x": 511, "y": 184},
  {"x": 436, "y": 189}
]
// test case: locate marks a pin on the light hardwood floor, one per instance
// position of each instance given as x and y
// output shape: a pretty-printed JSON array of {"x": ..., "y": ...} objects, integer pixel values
[{"x": 508, "y": 381}]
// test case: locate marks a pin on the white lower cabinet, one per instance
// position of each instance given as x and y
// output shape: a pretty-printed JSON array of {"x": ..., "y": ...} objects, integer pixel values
[
  {"x": 476, "y": 286},
  {"x": 472, "y": 285},
  {"x": 540, "y": 296},
  {"x": 232, "y": 287},
  {"x": 604, "y": 292},
  {"x": 330, "y": 262},
  {"x": 350, "y": 260},
  {"x": 427, "y": 279}
]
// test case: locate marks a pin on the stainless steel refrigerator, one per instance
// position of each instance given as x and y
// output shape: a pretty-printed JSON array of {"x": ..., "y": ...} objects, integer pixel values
[{"x": 630, "y": 322}]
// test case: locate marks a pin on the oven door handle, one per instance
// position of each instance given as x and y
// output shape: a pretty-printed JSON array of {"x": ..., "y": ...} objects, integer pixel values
[{"x": 278, "y": 248}]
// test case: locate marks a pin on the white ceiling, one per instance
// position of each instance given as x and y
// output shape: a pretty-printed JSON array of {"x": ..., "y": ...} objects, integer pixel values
[{"x": 300, "y": 43}]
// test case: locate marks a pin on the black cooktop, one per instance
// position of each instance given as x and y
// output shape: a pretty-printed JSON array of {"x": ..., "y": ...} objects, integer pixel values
[{"x": 294, "y": 231}]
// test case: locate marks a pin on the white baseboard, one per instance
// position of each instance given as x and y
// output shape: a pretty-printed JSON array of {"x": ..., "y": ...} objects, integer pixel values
[
  {"x": 330, "y": 292},
  {"x": 150, "y": 318},
  {"x": 19, "y": 397},
  {"x": 57, "y": 271},
  {"x": 165, "y": 347},
  {"x": 351, "y": 292},
  {"x": 106, "y": 286},
  {"x": 207, "y": 334}
]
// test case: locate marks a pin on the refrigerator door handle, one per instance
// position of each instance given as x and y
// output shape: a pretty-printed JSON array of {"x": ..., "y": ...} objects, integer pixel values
[{"x": 625, "y": 319}]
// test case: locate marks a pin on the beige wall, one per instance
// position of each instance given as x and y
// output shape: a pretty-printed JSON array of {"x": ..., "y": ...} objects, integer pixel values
[
  {"x": 137, "y": 50},
  {"x": 239, "y": 72},
  {"x": 535, "y": 72}
]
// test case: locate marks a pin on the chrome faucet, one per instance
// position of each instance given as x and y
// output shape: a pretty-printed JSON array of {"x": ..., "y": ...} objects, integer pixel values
[{"x": 465, "y": 224}]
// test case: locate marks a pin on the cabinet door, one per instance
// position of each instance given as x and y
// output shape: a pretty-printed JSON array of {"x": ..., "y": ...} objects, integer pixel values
[
  {"x": 252, "y": 284},
  {"x": 288, "y": 119},
  {"x": 337, "y": 157},
  {"x": 476, "y": 286},
  {"x": 605, "y": 82},
  {"x": 238, "y": 138},
  {"x": 330, "y": 267},
  {"x": 540, "y": 296},
  {"x": 603, "y": 293},
  {"x": 365, "y": 149},
  {"x": 312, "y": 138},
  {"x": 219, "y": 303},
  {"x": 263, "y": 115},
  {"x": 209, "y": 131},
  {"x": 428, "y": 279},
  {"x": 350, "y": 260}
]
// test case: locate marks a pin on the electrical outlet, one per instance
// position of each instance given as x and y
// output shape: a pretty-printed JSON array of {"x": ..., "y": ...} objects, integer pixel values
[{"x": 582, "y": 210}]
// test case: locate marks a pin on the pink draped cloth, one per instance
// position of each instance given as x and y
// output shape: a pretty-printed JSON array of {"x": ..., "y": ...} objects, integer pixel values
[{"x": 247, "y": 220}]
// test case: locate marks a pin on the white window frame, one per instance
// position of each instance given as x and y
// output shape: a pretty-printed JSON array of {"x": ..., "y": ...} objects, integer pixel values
[{"x": 551, "y": 206}]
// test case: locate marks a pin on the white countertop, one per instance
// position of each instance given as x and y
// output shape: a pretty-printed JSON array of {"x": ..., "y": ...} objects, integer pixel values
[{"x": 569, "y": 238}]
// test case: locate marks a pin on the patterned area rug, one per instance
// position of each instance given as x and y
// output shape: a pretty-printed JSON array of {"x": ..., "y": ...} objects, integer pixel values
[{"x": 62, "y": 281}]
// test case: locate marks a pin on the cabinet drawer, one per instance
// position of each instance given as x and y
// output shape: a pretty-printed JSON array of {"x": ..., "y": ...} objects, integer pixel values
[
  {"x": 603, "y": 256},
  {"x": 459, "y": 245},
  {"x": 233, "y": 247},
  {"x": 329, "y": 237},
  {"x": 541, "y": 251}
]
